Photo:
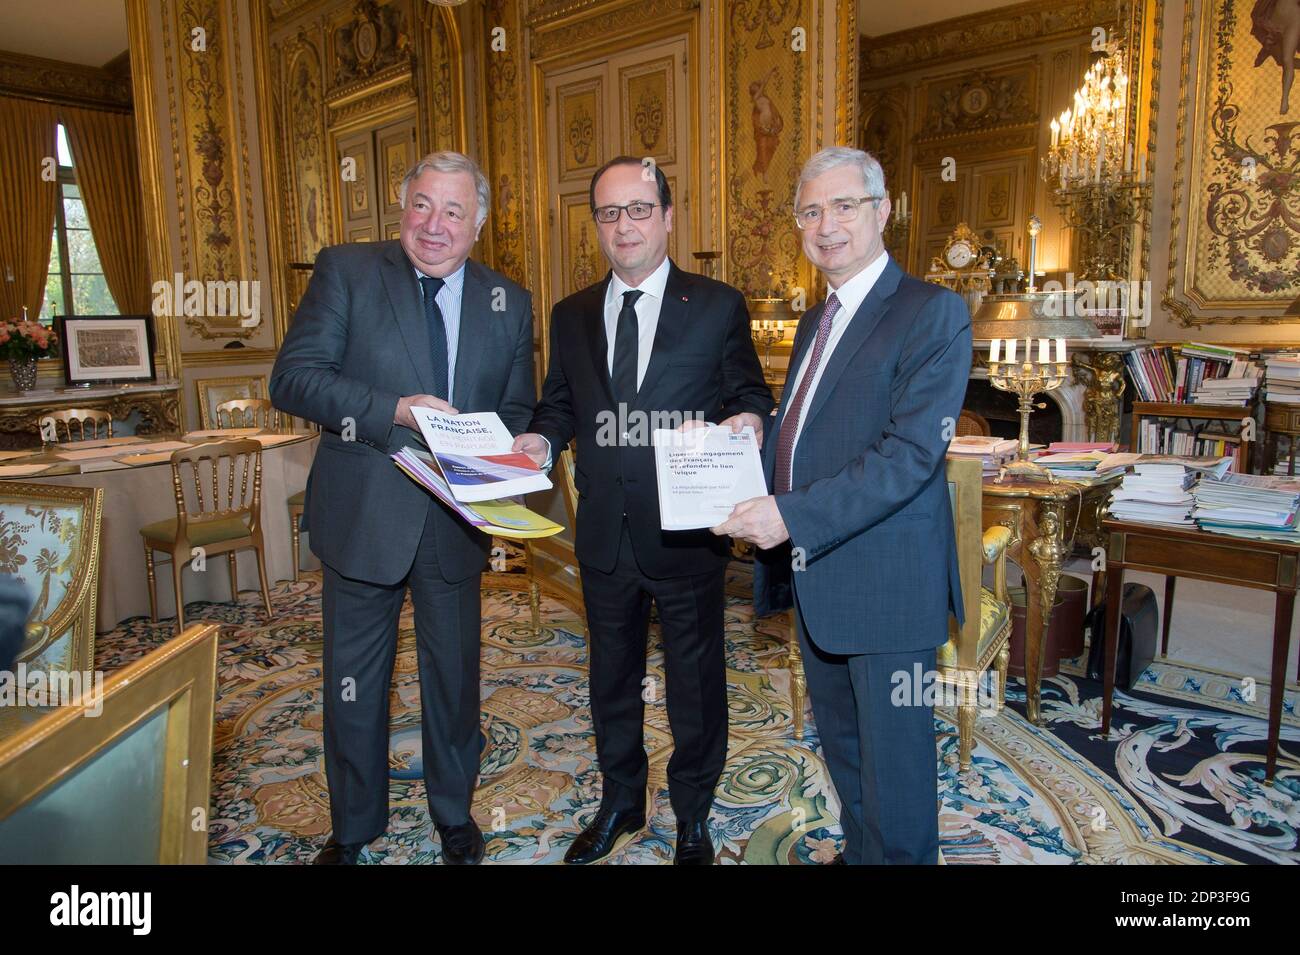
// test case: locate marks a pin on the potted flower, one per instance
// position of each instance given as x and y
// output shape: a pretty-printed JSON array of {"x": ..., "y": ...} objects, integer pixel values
[{"x": 22, "y": 342}]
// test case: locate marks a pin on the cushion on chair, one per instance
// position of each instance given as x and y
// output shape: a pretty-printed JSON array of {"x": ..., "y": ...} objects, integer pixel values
[
  {"x": 299, "y": 499},
  {"x": 201, "y": 534},
  {"x": 41, "y": 546},
  {"x": 993, "y": 617}
]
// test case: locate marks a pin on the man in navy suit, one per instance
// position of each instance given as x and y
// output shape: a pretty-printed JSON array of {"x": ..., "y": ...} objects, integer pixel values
[{"x": 858, "y": 535}]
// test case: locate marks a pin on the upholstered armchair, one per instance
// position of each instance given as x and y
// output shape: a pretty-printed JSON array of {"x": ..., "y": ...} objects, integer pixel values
[
  {"x": 983, "y": 641},
  {"x": 49, "y": 540}
]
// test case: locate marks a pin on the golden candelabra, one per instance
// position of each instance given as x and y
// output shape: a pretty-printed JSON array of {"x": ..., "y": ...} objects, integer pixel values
[
  {"x": 1100, "y": 192},
  {"x": 1026, "y": 378},
  {"x": 766, "y": 333}
]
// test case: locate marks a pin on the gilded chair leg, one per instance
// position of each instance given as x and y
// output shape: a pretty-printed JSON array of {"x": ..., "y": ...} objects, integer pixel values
[
  {"x": 965, "y": 734},
  {"x": 178, "y": 564},
  {"x": 261, "y": 575},
  {"x": 234, "y": 577},
  {"x": 153, "y": 583},
  {"x": 535, "y": 606},
  {"x": 798, "y": 683},
  {"x": 295, "y": 534},
  {"x": 1000, "y": 668}
]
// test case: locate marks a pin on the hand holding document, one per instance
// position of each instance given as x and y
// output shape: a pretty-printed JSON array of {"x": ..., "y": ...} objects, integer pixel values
[
  {"x": 704, "y": 473},
  {"x": 473, "y": 453}
]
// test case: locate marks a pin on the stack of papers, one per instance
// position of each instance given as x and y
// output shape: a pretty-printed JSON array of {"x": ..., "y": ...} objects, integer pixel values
[
  {"x": 1155, "y": 494},
  {"x": 1085, "y": 467},
  {"x": 992, "y": 452},
  {"x": 472, "y": 452},
  {"x": 1258, "y": 506},
  {"x": 1282, "y": 379},
  {"x": 499, "y": 518},
  {"x": 1235, "y": 390}
]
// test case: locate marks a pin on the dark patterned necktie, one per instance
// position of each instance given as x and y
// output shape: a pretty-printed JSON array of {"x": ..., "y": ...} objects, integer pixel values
[
  {"x": 623, "y": 377},
  {"x": 437, "y": 333},
  {"x": 790, "y": 423}
]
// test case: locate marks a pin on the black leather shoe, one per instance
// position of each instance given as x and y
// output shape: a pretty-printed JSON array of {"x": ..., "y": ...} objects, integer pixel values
[
  {"x": 461, "y": 845},
  {"x": 694, "y": 847},
  {"x": 339, "y": 853},
  {"x": 598, "y": 839}
]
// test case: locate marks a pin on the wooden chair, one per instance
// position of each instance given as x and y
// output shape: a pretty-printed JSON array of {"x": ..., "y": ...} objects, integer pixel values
[
  {"x": 227, "y": 520},
  {"x": 49, "y": 425},
  {"x": 50, "y": 541},
  {"x": 214, "y": 391},
  {"x": 555, "y": 552},
  {"x": 983, "y": 641},
  {"x": 971, "y": 423},
  {"x": 246, "y": 413},
  {"x": 297, "y": 502}
]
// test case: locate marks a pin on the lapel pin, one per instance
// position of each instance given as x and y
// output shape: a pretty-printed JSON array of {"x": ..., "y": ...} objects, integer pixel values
[{"x": 685, "y": 299}]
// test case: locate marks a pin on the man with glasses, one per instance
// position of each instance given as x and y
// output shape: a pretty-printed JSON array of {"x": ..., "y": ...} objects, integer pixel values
[
  {"x": 648, "y": 341},
  {"x": 856, "y": 463}
]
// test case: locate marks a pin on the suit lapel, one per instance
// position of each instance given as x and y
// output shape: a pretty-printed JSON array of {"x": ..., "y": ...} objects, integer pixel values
[
  {"x": 593, "y": 317},
  {"x": 475, "y": 313},
  {"x": 672, "y": 320},
  {"x": 859, "y": 329},
  {"x": 408, "y": 310}
]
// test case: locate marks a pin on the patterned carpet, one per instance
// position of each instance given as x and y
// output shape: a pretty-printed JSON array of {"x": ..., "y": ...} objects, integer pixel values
[{"x": 1183, "y": 783}]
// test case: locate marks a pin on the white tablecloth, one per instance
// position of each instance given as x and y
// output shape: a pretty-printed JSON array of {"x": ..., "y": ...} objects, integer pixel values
[{"x": 141, "y": 495}]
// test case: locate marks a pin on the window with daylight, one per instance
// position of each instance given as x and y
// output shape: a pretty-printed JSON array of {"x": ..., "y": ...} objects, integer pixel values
[{"x": 75, "y": 284}]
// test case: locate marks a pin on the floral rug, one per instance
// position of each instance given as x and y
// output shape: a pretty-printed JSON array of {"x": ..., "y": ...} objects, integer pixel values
[{"x": 1181, "y": 783}]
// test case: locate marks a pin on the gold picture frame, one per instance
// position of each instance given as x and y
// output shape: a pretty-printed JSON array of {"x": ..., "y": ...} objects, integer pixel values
[{"x": 165, "y": 701}]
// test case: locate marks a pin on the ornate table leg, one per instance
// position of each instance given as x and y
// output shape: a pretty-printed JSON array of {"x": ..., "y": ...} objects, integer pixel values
[{"x": 1048, "y": 551}]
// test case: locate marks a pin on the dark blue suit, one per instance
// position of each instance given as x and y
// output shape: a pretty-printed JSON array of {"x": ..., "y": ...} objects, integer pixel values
[{"x": 869, "y": 517}]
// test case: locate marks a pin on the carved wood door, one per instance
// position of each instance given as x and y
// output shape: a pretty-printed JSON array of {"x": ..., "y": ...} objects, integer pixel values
[{"x": 630, "y": 102}]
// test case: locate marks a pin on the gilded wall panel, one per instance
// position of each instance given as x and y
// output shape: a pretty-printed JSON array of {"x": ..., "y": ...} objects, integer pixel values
[
  {"x": 581, "y": 133},
  {"x": 507, "y": 125},
  {"x": 1242, "y": 244},
  {"x": 766, "y": 135},
  {"x": 647, "y": 103},
  {"x": 306, "y": 130}
]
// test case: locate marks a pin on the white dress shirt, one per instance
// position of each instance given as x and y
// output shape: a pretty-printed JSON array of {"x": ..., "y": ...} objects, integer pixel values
[
  {"x": 448, "y": 299},
  {"x": 851, "y": 295},
  {"x": 647, "y": 315}
]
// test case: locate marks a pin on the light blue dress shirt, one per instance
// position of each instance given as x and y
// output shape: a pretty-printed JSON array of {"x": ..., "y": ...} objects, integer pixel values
[{"x": 449, "y": 298}]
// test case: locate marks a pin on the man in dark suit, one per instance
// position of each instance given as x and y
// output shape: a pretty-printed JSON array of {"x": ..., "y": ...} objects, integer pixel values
[
  {"x": 383, "y": 327},
  {"x": 856, "y": 463},
  {"x": 649, "y": 340}
]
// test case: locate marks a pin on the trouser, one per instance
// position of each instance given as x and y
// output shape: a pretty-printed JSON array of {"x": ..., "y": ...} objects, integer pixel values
[
  {"x": 360, "y": 622},
  {"x": 881, "y": 757},
  {"x": 690, "y": 618}
]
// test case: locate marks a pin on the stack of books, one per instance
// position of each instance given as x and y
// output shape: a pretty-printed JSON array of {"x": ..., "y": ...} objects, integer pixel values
[
  {"x": 1082, "y": 462},
  {"x": 1155, "y": 494},
  {"x": 1211, "y": 374},
  {"x": 993, "y": 452},
  {"x": 1257, "y": 506},
  {"x": 1282, "y": 379},
  {"x": 1161, "y": 437}
]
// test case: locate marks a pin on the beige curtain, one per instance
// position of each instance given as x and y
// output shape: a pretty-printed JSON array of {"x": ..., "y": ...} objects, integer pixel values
[
  {"x": 28, "y": 192},
  {"x": 108, "y": 172}
]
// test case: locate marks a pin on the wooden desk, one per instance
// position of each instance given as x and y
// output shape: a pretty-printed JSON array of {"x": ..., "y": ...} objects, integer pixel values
[
  {"x": 1047, "y": 521},
  {"x": 1263, "y": 565}
]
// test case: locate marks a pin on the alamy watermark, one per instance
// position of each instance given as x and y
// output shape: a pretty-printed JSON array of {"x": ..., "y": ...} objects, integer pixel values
[{"x": 45, "y": 688}]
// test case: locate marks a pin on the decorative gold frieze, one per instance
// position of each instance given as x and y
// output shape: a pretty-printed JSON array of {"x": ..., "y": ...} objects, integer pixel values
[{"x": 33, "y": 77}]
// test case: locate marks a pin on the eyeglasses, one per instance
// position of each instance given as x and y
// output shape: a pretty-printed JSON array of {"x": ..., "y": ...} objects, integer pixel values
[
  {"x": 635, "y": 210},
  {"x": 842, "y": 210}
]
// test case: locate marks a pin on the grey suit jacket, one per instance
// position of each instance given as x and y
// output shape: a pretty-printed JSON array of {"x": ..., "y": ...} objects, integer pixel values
[
  {"x": 869, "y": 499},
  {"x": 359, "y": 342}
]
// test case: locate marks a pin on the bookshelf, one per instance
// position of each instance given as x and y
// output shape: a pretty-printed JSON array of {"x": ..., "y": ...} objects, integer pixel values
[{"x": 1203, "y": 421}]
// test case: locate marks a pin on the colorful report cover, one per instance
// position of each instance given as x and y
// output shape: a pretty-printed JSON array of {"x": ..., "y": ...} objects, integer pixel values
[
  {"x": 498, "y": 518},
  {"x": 473, "y": 453}
]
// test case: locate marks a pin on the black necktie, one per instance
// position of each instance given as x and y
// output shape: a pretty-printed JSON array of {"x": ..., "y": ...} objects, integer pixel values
[
  {"x": 437, "y": 333},
  {"x": 625, "y": 346}
]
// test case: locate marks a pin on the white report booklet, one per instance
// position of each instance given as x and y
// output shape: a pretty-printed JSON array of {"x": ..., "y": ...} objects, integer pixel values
[
  {"x": 473, "y": 453},
  {"x": 704, "y": 473}
]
